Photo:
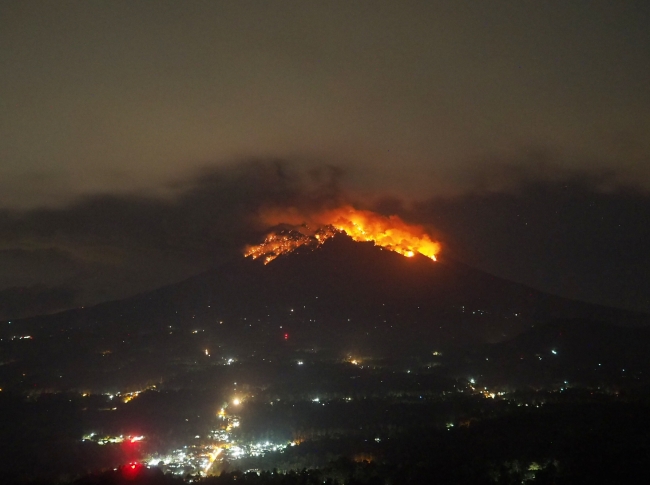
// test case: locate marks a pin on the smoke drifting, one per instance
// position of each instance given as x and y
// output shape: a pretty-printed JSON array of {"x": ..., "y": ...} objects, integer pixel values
[
  {"x": 390, "y": 232},
  {"x": 571, "y": 234},
  {"x": 111, "y": 246}
]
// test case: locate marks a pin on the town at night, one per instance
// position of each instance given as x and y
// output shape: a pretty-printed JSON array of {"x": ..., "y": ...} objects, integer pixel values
[{"x": 342, "y": 243}]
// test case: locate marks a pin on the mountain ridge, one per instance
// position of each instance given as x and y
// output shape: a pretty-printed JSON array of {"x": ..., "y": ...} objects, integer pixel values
[
  {"x": 353, "y": 277},
  {"x": 342, "y": 298}
]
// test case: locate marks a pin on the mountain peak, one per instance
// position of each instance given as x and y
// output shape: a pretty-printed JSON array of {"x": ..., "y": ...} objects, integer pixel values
[{"x": 389, "y": 232}]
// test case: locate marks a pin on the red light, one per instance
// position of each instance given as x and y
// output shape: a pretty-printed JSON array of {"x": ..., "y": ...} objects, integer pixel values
[
  {"x": 131, "y": 470},
  {"x": 286, "y": 336}
]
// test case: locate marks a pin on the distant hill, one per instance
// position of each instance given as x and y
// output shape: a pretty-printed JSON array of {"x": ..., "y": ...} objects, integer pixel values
[{"x": 563, "y": 353}]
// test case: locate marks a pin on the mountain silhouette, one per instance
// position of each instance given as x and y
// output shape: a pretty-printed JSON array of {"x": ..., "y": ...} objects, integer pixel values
[{"x": 350, "y": 285}]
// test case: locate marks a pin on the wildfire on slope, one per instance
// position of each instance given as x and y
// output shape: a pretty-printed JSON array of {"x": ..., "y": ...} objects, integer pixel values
[
  {"x": 361, "y": 225},
  {"x": 277, "y": 243}
]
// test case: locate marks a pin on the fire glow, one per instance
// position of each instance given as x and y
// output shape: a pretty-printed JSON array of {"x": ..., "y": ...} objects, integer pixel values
[{"x": 389, "y": 232}]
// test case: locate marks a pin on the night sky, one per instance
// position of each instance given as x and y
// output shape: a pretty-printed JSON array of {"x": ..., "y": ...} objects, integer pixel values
[{"x": 139, "y": 140}]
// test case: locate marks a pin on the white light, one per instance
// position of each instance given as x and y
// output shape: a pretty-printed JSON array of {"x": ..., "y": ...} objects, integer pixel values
[
  {"x": 236, "y": 402},
  {"x": 553, "y": 352}
]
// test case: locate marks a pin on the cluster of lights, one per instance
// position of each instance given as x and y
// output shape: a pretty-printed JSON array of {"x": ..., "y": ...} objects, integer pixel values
[
  {"x": 198, "y": 459},
  {"x": 195, "y": 460},
  {"x": 485, "y": 392},
  {"x": 105, "y": 440},
  {"x": 20, "y": 337},
  {"x": 125, "y": 396},
  {"x": 257, "y": 449},
  {"x": 130, "y": 396}
]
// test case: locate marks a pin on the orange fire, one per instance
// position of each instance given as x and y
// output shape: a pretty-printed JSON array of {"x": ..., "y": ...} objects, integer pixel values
[{"x": 361, "y": 225}]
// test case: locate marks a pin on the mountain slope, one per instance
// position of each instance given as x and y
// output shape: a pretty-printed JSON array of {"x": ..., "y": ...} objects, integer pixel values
[
  {"x": 343, "y": 280},
  {"x": 563, "y": 353},
  {"x": 343, "y": 295}
]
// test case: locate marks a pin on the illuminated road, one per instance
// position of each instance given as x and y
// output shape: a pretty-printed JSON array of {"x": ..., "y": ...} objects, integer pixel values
[{"x": 213, "y": 456}]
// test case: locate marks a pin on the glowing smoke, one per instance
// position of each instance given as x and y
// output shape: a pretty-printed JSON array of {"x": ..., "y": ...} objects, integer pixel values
[{"x": 389, "y": 232}]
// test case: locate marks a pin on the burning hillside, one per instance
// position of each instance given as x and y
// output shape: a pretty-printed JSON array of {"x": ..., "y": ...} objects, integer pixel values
[{"x": 361, "y": 225}]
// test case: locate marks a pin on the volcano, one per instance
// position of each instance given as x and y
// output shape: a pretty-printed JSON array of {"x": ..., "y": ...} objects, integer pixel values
[
  {"x": 340, "y": 294},
  {"x": 345, "y": 286}
]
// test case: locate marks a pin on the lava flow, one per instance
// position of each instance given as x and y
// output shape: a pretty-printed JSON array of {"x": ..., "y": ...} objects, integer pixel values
[{"x": 361, "y": 225}]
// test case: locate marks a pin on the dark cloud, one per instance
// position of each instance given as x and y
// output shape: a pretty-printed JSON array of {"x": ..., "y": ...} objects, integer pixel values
[
  {"x": 570, "y": 233},
  {"x": 413, "y": 98},
  {"x": 577, "y": 235},
  {"x": 410, "y": 95},
  {"x": 111, "y": 246},
  {"x": 213, "y": 210}
]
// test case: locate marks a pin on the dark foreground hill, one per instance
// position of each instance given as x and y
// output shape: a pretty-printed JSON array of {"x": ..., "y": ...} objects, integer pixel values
[{"x": 563, "y": 354}]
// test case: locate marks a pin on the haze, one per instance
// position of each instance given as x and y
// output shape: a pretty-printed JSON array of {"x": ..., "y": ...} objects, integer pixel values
[
  {"x": 413, "y": 97},
  {"x": 516, "y": 131},
  {"x": 347, "y": 242}
]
